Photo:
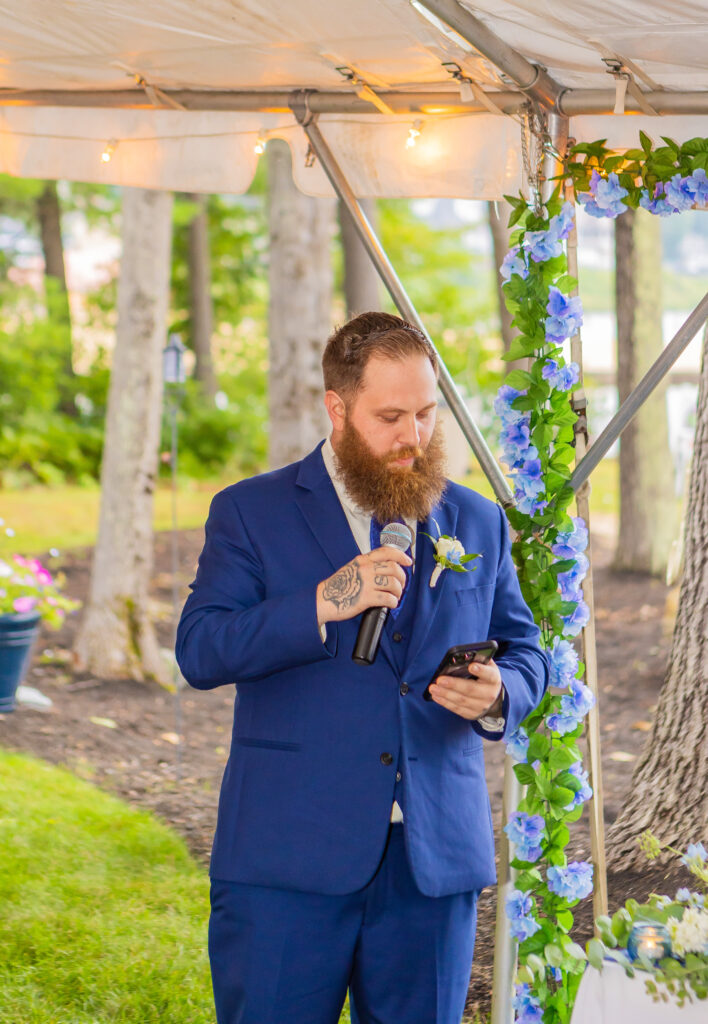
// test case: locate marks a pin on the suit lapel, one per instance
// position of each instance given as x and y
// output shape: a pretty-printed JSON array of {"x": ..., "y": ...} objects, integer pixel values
[
  {"x": 318, "y": 502},
  {"x": 445, "y": 515}
]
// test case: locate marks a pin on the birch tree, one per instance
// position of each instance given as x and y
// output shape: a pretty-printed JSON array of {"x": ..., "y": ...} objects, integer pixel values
[
  {"x": 301, "y": 230},
  {"x": 116, "y": 637},
  {"x": 669, "y": 791},
  {"x": 362, "y": 289},
  {"x": 649, "y": 520}
]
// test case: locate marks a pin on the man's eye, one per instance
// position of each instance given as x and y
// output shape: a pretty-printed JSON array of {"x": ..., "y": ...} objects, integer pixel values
[{"x": 389, "y": 419}]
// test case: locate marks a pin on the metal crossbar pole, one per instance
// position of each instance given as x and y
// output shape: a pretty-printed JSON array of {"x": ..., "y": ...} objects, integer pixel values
[
  {"x": 651, "y": 379},
  {"x": 398, "y": 293}
]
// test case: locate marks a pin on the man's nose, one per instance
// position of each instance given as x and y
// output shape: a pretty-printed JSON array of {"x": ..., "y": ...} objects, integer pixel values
[{"x": 410, "y": 434}]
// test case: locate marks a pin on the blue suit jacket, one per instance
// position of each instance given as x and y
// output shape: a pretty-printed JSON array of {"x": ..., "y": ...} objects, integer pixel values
[{"x": 306, "y": 800}]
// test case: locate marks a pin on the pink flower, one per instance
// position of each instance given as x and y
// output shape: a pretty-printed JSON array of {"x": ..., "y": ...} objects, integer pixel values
[
  {"x": 43, "y": 577},
  {"x": 24, "y": 604},
  {"x": 35, "y": 565},
  {"x": 19, "y": 560}
]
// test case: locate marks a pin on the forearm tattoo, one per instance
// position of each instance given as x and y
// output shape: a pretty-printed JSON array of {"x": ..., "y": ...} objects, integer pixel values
[{"x": 344, "y": 587}]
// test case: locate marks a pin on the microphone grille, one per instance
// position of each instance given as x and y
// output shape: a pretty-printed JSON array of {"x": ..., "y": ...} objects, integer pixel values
[{"x": 397, "y": 535}]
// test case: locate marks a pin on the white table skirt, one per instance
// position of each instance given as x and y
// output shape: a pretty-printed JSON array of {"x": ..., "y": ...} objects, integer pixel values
[{"x": 610, "y": 997}]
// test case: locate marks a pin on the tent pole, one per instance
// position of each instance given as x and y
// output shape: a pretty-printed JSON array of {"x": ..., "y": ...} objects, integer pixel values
[
  {"x": 589, "y": 644},
  {"x": 505, "y": 946},
  {"x": 651, "y": 379},
  {"x": 531, "y": 78},
  {"x": 397, "y": 292}
]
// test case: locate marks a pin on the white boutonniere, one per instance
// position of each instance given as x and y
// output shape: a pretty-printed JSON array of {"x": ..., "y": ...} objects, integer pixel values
[{"x": 449, "y": 554}]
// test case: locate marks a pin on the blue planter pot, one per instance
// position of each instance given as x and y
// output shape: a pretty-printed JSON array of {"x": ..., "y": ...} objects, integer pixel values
[{"x": 17, "y": 635}]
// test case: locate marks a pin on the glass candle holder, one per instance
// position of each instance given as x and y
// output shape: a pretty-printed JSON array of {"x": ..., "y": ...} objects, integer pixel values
[{"x": 649, "y": 940}]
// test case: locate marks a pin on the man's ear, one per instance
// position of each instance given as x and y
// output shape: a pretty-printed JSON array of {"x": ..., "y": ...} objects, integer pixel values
[{"x": 336, "y": 410}]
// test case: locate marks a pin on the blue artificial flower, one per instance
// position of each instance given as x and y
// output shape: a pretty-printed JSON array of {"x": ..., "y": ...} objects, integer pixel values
[
  {"x": 683, "y": 895},
  {"x": 561, "y": 377},
  {"x": 514, "y": 263},
  {"x": 565, "y": 315},
  {"x": 525, "y": 831},
  {"x": 557, "y": 973},
  {"x": 518, "y": 907},
  {"x": 564, "y": 662},
  {"x": 569, "y": 543},
  {"x": 678, "y": 194},
  {"x": 563, "y": 223},
  {"x": 585, "y": 791},
  {"x": 502, "y": 405},
  {"x": 656, "y": 204},
  {"x": 573, "y": 882},
  {"x": 529, "y": 484},
  {"x": 578, "y": 619},
  {"x": 605, "y": 196},
  {"x": 516, "y": 433},
  {"x": 517, "y": 746},
  {"x": 574, "y": 706},
  {"x": 542, "y": 245},
  {"x": 562, "y": 723},
  {"x": 527, "y": 1007},
  {"x": 696, "y": 852},
  {"x": 697, "y": 183},
  {"x": 570, "y": 581}
]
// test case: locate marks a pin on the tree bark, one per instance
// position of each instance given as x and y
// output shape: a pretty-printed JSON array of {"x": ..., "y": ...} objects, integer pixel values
[
  {"x": 669, "y": 791},
  {"x": 201, "y": 313},
  {"x": 362, "y": 291},
  {"x": 300, "y": 309},
  {"x": 649, "y": 521},
  {"x": 498, "y": 217},
  {"x": 116, "y": 637},
  {"x": 49, "y": 217}
]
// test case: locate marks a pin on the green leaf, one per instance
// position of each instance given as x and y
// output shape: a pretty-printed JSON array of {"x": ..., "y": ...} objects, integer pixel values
[
  {"x": 525, "y": 774},
  {"x": 553, "y": 954},
  {"x": 561, "y": 757},
  {"x": 646, "y": 143},
  {"x": 525, "y": 975},
  {"x": 596, "y": 953},
  {"x": 565, "y": 919},
  {"x": 519, "y": 379}
]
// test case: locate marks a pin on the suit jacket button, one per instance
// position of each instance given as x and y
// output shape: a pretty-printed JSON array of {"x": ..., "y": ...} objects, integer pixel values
[
  {"x": 386, "y": 758},
  {"x": 397, "y": 637},
  {"x": 403, "y": 689}
]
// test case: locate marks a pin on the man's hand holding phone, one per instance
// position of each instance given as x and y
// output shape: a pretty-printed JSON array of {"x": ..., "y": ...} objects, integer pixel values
[{"x": 475, "y": 688}]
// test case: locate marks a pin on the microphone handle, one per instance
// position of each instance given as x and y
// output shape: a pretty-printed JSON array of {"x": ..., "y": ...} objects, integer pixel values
[{"x": 369, "y": 636}]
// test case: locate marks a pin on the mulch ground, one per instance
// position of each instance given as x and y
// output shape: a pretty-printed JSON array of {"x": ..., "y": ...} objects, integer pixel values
[{"x": 124, "y": 736}]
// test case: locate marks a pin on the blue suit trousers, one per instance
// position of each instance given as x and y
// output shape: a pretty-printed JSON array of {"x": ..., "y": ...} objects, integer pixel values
[{"x": 285, "y": 957}]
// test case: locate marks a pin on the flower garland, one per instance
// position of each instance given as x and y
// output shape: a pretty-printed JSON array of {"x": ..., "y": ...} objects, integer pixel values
[{"x": 537, "y": 442}]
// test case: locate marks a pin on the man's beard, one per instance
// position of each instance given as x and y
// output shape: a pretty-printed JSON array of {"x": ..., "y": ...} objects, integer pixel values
[{"x": 387, "y": 491}]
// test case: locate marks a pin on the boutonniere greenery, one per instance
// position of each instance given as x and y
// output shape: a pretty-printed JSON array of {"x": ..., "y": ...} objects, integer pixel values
[{"x": 449, "y": 554}]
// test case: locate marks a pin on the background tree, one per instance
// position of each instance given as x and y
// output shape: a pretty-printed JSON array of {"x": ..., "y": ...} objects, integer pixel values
[
  {"x": 201, "y": 314},
  {"x": 362, "y": 285},
  {"x": 301, "y": 230},
  {"x": 498, "y": 219},
  {"x": 648, "y": 521},
  {"x": 669, "y": 791},
  {"x": 116, "y": 636}
]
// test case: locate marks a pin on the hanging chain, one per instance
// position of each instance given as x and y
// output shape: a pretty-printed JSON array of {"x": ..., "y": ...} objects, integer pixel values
[{"x": 535, "y": 144}]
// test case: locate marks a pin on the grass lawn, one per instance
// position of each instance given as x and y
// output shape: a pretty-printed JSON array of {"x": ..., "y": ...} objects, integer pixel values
[
  {"x": 67, "y": 517},
  {"x": 104, "y": 912}
]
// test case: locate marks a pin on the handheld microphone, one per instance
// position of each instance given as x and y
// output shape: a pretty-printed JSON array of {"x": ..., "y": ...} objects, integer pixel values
[{"x": 394, "y": 535}]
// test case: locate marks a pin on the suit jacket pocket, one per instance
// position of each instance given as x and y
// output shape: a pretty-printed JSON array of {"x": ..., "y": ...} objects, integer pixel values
[
  {"x": 475, "y": 595},
  {"x": 249, "y": 741}
]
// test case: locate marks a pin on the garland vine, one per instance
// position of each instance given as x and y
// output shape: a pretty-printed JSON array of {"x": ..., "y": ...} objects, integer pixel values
[{"x": 537, "y": 441}]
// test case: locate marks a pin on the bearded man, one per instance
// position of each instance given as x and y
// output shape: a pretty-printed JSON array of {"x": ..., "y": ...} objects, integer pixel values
[{"x": 354, "y": 829}]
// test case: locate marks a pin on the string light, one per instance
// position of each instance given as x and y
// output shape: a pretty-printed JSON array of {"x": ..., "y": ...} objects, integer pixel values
[
  {"x": 108, "y": 151},
  {"x": 260, "y": 145},
  {"x": 413, "y": 133}
]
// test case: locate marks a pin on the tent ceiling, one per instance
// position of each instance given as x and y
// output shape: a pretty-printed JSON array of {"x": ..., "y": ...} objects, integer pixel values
[{"x": 51, "y": 48}]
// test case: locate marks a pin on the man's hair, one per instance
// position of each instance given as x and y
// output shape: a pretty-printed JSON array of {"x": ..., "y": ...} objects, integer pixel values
[{"x": 350, "y": 348}]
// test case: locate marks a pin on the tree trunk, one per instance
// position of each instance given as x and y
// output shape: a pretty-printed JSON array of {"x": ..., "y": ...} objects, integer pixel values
[
  {"x": 498, "y": 216},
  {"x": 669, "y": 791},
  {"x": 649, "y": 519},
  {"x": 116, "y": 637},
  {"x": 299, "y": 313},
  {"x": 362, "y": 290},
  {"x": 201, "y": 314},
  {"x": 49, "y": 217}
]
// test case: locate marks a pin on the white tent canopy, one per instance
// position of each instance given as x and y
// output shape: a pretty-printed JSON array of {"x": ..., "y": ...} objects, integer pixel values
[{"x": 82, "y": 77}]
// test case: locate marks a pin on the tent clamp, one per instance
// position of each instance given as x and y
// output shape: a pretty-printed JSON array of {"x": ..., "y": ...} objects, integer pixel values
[
  {"x": 299, "y": 103},
  {"x": 579, "y": 405},
  {"x": 625, "y": 83}
]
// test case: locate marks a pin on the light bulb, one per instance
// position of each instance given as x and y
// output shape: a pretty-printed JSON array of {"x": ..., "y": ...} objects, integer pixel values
[
  {"x": 108, "y": 151},
  {"x": 413, "y": 133},
  {"x": 260, "y": 145}
]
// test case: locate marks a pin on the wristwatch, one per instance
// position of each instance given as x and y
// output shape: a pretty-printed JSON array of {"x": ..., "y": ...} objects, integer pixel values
[{"x": 494, "y": 723}]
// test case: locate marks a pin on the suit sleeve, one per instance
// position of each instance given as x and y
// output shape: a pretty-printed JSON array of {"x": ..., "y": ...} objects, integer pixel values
[
  {"x": 522, "y": 662},
  {"x": 229, "y": 631}
]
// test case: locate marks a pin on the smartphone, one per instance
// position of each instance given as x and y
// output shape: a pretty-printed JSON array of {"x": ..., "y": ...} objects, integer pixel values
[{"x": 458, "y": 658}]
